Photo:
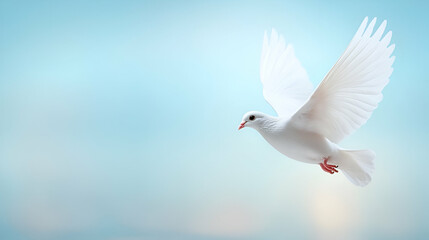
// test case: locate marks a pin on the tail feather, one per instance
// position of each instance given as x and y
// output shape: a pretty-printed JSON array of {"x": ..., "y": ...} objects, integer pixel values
[{"x": 357, "y": 165}]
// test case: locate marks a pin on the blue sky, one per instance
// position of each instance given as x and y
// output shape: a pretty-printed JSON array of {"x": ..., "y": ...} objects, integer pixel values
[{"x": 119, "y": 121}]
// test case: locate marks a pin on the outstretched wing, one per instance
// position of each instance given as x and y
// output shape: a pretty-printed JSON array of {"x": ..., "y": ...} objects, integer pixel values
[
  {"x": 350, "y": 92},
  {"x": 286, "y": 84}
]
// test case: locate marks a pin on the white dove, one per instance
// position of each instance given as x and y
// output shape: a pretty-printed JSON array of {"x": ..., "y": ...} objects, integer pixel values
[{"x": 309, "y": 126}]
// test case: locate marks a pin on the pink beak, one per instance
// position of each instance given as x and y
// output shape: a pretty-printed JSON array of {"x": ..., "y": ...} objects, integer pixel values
[{"x": 242, "y": 125}]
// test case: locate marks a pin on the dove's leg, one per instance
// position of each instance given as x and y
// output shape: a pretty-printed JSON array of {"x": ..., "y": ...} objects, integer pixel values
[{"x": 328, "y": 167}]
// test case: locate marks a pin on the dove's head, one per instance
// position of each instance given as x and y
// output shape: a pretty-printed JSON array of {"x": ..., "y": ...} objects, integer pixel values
[{"x": 253, "y": 119}]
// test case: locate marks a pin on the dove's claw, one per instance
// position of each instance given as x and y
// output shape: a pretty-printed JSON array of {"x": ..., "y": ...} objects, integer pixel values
[
  {"x": 328, "y": 167},
  {"x": 324, "y": 168}
]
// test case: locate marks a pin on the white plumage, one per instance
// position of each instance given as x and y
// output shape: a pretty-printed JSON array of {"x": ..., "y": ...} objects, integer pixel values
[
  {"x": 309, "y": 126},
  {"x": 286, "y": 84}
]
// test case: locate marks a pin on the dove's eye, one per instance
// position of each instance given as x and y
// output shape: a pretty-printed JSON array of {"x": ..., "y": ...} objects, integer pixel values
[{"x": 252, "y": 117}]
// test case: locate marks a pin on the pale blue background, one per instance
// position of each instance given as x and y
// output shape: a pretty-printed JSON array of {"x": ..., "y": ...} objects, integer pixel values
[{"x": 118, "y": 121}]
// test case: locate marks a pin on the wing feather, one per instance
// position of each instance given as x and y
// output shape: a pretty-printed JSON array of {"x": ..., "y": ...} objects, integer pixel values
[
  {"x": 285, "y": 82},
  {"x": 351, "y": 90}
]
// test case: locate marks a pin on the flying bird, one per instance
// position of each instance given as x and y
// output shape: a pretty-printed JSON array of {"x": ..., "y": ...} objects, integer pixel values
[{"x": 311, "y": 123}]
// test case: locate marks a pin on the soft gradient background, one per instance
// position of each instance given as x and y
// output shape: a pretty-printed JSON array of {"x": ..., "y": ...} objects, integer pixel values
[{"x": 118, "y": 121}]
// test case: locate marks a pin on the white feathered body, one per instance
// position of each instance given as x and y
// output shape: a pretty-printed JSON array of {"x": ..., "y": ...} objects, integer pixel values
[
  {"x": 298, "y": 144},
  {"x": 312, "y": 122},
  {"x": 313, "y": 148}
]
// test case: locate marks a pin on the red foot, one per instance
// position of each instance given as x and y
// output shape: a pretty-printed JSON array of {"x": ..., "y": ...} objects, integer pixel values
[{"x": 328, "y": 167}]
